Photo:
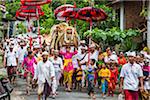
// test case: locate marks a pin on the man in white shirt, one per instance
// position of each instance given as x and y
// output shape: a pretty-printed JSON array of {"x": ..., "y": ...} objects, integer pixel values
[
  {"x": 107, "y": 58},
  {"x": 37, "y": 52},
  {"x": 10, "y": 62},
  {"x": 58, "y": 65},
  {"x": 82, "y": 44},
  {"x": 45, "y": 73},
  {"x": 131, "y": 75},
  {"x": 93, "y": 53},
  {"x": 21, "y": 53},
  {"x": 82, "y": 57}
]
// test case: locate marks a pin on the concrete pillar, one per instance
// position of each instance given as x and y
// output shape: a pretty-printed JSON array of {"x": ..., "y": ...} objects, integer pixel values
[
  {"x": 122, "y": 16},
  {"x": 148, "y": 25}
]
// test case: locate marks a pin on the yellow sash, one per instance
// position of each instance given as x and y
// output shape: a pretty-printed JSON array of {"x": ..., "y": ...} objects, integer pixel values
[{"x": 67, "y": 61}]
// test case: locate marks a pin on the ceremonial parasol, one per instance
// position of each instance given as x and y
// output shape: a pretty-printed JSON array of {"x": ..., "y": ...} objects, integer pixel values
[
  {"x": 35, "y": 2},
  {"x": 61, "y": 9},
  {"x": 30, "y": 11},
  {"x": 91, "y": 14},
  {"x": 68, "y": 14},
  {"x": 19, "y": 17}
]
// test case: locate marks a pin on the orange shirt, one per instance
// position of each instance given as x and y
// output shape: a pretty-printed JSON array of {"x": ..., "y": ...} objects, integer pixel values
[{"x": 122, "y": 61}]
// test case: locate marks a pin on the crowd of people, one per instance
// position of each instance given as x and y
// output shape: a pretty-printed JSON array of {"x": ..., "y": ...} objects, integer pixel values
[{"x": 78, "y": 68}]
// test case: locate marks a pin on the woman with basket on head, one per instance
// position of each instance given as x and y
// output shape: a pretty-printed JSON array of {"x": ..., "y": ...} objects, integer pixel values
[{"x": 68, "y": 67}]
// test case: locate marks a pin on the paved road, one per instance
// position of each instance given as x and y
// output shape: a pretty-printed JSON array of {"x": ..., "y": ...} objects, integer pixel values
[{"x": 19, "y": 94}]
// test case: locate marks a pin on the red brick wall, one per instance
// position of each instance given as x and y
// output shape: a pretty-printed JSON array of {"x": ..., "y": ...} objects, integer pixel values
[{"x": 132, "y": 14}]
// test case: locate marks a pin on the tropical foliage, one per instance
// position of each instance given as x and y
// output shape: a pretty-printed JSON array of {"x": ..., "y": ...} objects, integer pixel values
[
  {"x": 21, "y": 28},
  {"x": 113, "y": 36},
  {"x": 12, "y": 7}
]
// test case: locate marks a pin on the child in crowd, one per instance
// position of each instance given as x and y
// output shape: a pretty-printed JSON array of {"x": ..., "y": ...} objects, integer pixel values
[
  {"x": 78, "y": 78},
  {"x": 94, "y": 67},
  {"x": 113, "y": 79},
  {"x": 104, "y": 73},
  {"x": 99, "y": 66},
  {"x": 90, "y": 79}
]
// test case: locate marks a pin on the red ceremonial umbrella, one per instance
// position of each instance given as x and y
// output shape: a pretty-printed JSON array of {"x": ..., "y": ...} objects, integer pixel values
[
  {"x": 19, "y": 17},
  {"x": 62, "y": 8},
  {"x": 91, "y": 14},
  {"x": 30, "y": 11},
  {"x": 35, "y": 2},
  {"x": 68, "y": 14}
]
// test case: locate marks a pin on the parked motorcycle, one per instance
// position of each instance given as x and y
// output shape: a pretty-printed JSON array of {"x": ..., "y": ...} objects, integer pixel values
[{"x": 5, "y": 89}]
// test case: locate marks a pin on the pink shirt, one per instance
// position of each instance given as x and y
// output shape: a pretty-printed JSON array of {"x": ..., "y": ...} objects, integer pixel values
[
  {"x": 146, "y": 68},
  {"x": 68, "y": 55},
  {"x": 29, "y": 64}
]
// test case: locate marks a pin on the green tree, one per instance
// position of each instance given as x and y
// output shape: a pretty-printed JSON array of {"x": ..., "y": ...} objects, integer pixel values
[
  {"x": 48, "y": 20},
  {"x": 21, "y": 28},
  {"x": 11, "y": 8}
]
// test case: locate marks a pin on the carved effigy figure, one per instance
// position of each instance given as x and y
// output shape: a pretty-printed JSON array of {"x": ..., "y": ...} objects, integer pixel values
[{"x": 62, "y": 34}]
